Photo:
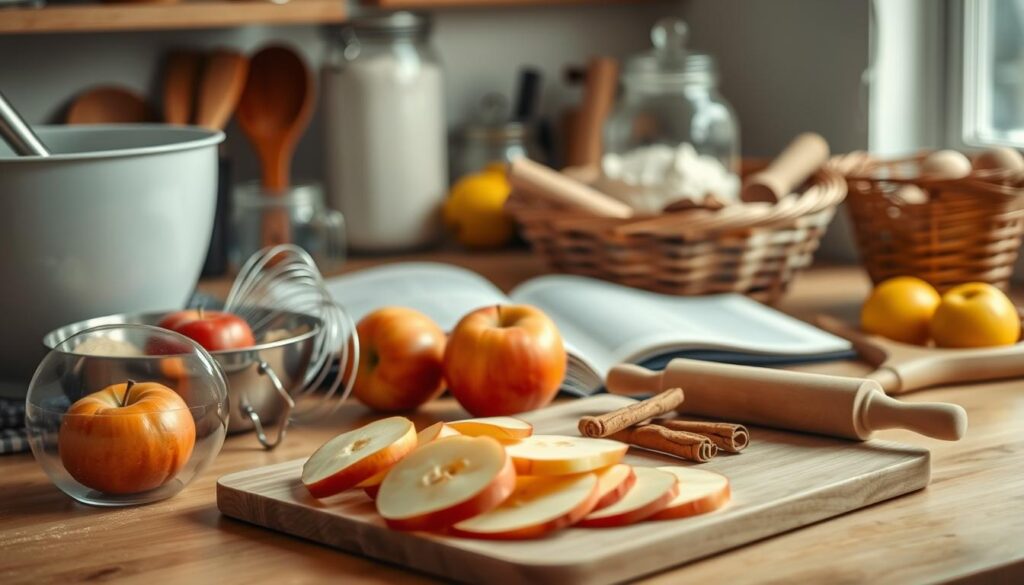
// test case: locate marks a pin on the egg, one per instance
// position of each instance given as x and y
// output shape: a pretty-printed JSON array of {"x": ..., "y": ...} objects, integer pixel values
[
  {"x": 1000, "y": 157},
  {"x": 945, "y": 164}
]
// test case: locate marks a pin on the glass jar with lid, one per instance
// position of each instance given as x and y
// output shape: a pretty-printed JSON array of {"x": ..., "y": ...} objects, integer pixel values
[
  {"x": 670, "y": 97},
  {"x": 385, "y": 134}
]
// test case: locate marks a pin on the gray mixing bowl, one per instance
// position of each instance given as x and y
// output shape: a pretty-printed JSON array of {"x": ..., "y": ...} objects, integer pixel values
[{"x": 118, "y": 220}]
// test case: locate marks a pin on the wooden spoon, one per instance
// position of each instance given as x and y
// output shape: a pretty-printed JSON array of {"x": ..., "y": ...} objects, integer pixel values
[
  {"x": 181, "y": 75},
  {"x": 274, "y": 110},
  {"x": 220, "y": 88},
  {"x": 109, "y": 105}
]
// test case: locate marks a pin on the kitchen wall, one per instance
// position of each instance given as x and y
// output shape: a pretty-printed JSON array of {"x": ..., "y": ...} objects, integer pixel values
[{"x": 786, "y": 65}]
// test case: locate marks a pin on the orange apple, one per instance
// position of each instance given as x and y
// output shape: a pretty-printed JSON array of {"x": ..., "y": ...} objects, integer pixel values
[
  {"x": 504, "y": 360},
  {"x": 613, "y": 482},
  {"x": 975, "y": 314},
  {"x": 426, "y": 435},
  {"x": 503, "y": 428},
  {"x": 446, "y": 482},
  {"x": 900, "y": 308},
  {"x": 127, "y": 438},
  {"x": 537, "y": 507},
  {"x": 400, "y": 360},
  {"x": 355, "y": 456},
  {"x": 700, "y": 492},
  {"x": 652, "y": 493}
]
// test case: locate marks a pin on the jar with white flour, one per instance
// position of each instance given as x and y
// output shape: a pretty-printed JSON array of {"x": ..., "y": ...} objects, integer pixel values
[{"x": 386, "y": 135}]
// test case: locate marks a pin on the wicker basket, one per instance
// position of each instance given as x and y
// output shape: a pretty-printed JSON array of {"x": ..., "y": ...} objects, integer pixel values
[
  {"x": 754, "y": 248},
  {"x": 946, "y": 232}
]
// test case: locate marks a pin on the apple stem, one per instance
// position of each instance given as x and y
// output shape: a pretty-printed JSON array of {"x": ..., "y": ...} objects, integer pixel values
[
  {"x": 498, "y": 308},
  {"x": 124, "y": 400},
  {"x": 202, "y": 310}
]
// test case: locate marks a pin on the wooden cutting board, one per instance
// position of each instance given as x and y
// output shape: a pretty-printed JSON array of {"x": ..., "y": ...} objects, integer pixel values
[{"x": 781, "y": 482}]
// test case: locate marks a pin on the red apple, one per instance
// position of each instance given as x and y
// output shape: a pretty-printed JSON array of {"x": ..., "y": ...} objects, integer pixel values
[
  {"x": 214, "y": 330},
  {"x": 127, "y": 438},
  {"x": 504, "y": 360},
  {"x": 401, "y": 359}
]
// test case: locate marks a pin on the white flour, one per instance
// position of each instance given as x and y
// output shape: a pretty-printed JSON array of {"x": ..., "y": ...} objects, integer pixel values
[
  {"x": 665, "y": 175},
  {"x": 386, "y": 150}
]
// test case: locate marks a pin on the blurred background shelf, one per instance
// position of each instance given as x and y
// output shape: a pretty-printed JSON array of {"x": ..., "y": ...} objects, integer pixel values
[
  {"x": 190, "y": 14},
  {"x": 424, "y": 4}
]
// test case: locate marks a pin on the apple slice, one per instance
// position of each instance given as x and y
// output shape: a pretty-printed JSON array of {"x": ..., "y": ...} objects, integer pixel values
[
  {"x": 613, "y": 483},
  {"x": 503, "y": 428},
  {"x": 538, "y": 506},
  {"x": 446, "y": 482},
  {"x": 700, "y": 492},
  {"x": 426, "y": 435},
  {"x": 352, "y": 457},
  {"x": 562, "y": 455},
  {"x": 651, "y": 493}
]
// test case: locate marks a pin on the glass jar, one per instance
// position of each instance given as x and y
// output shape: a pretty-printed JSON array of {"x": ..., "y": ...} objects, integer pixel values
[
  {"x": 386, "y": 140},
  {"x": 313, "y": 227},
  {"x": 491, "y": 137},
  {"x": 671, "y": 98}
]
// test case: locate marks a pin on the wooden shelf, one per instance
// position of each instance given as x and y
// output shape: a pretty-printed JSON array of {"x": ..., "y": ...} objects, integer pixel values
[
  {"x": 189, "y": 14},
  {"x": 425, "y": 4}
]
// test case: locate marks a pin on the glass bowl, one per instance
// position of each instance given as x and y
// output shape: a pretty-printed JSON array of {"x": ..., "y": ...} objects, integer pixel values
[{"x": 126, "y": 414}]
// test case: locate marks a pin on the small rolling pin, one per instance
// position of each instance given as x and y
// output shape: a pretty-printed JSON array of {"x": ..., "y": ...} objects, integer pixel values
[
  {"x": 542, "y": 181},
  {"x": 794, "y": 165},
  {"x": 850, "y": 408}
]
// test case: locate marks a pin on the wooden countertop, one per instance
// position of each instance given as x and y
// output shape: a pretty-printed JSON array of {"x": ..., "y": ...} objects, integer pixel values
[{"x": 968, "y": 525}]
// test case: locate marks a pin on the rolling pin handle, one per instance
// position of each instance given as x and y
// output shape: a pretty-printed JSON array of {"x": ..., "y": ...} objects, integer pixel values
[
  {"x": 630, "y": 380},
  {"x": 932, "y": 419}
]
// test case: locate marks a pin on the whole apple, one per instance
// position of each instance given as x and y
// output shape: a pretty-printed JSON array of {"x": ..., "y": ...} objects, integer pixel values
[
  {"x": 975, "y": 314},
  {"x": 504, "y": 359},
  {"x": 401, "y": 359},
  {"x": 214, "y": 330},
  {"x": 127, "y": 438}
]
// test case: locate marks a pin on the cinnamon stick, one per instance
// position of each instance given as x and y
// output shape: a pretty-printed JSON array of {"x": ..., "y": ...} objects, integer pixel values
[
  {"x": 728, "y": 437},
  {"x": 613, "y": 422},
  {"x": 689, "y": 446}
]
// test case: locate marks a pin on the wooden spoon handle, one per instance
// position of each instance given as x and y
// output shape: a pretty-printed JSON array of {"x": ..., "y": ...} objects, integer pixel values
[
  {"x": 585, "y": 146},
  {"x": 953, "y": 366},
  {"x": 806, "y": 154},
  {"x": 276, "y": 228},
  {"x": 931, "y": 419}
]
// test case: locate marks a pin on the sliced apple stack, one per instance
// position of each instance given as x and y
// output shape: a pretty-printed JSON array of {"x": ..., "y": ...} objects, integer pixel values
[
  {"x": 653, "y": 491},
  {"x": 503, "y": 428},
  {"x": 539, "y": 506},
  {"x": 428, "y": 435},
  {"x": 561, "y": 455},
  {"x": 613, "y": 483},
  {"x": 352, "y": 457},
  {"x": 699, "y": 492},
  {"x": 446, "y": 482}
]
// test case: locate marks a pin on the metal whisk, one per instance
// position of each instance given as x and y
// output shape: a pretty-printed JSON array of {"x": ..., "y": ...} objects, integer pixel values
[{"x": 281, "y": 281}]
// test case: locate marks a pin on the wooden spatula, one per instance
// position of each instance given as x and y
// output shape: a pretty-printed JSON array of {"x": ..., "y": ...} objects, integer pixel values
[
  {"x": 220, "y": 88},
  {"x": 181, "y": 75},
  {"x": 273, "y": 113},
  {"x": 904, "y": 368}
]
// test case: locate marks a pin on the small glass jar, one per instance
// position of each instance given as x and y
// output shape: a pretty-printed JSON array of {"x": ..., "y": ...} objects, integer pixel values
[
  {"x": 491, "y": 137},
  {"x": 313, "y": 227},
  {"x": 671, "y": 98}
]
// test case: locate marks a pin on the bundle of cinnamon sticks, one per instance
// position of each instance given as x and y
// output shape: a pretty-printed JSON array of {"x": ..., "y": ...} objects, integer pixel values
[{"x": 639, "y": 424}]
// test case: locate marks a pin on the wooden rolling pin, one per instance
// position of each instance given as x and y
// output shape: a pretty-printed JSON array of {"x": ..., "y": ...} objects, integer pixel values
[
  {"x": 542, "y": 181},
  {"x": 794, "y": 165},
  {"x": 850, "y": 408}
]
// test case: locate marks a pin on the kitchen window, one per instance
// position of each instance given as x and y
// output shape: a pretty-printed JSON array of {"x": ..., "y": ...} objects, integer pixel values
[{"x": 991, "y": 87}]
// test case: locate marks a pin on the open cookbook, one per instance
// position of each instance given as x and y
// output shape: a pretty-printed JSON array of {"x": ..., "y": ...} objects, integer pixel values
[{"x": 602, "y": 324}]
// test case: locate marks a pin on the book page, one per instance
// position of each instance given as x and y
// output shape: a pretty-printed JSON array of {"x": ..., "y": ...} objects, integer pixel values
[
  {"x": 442, "y": 292},
  {"x": 614, "y": 324}
]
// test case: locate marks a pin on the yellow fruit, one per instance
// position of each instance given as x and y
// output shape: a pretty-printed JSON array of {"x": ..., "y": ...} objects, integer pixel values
[
  {"x": 901, "y": 309},
  {"x": 975, "y": 314},
  {"x": 475, "y": 209}
]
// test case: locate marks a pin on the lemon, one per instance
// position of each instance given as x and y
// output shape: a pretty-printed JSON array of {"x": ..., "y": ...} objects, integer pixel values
[
  {"x": 475, "y": 209},
  {"x": 901, "y": 309}
]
